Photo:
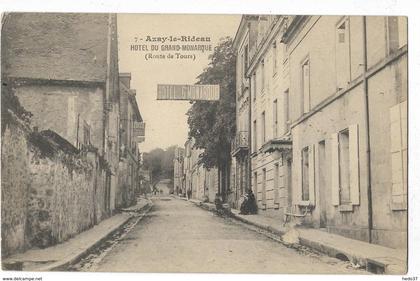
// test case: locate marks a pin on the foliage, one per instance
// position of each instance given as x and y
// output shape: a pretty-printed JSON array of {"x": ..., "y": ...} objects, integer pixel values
[
  {"x": 212, "y": 123},
  {"x": 160, "y": 162},
  {"x": 10, "y": 102}
]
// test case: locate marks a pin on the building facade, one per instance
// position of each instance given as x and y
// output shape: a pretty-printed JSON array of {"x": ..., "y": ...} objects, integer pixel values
[
  {"x": 68, "y": 87},
  {"x": 240, "y": 149},
  {"x": 261, "y": 98},
  {"x": 329, "y": 122},
  {"x": 63, "y": 69},
  {"x": 131, "y": 130},
  {"x": 200, "y": 182}
]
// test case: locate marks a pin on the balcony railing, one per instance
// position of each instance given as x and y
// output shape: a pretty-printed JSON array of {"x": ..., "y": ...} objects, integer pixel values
[{"x": 240, "y": 143}]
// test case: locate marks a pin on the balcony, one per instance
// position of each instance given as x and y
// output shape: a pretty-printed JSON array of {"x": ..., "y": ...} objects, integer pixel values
[{"x": 240, "y": 143}]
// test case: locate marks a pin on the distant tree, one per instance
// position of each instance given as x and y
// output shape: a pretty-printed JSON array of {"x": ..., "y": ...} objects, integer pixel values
[
  {"x": 160, "y": 163},
  {"x": 212, "y": 123}
]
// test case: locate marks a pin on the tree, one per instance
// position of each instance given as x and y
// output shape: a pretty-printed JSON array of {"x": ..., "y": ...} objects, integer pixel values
[
  {"x": 212, "y": 123},
  {"x": 161, "y": 163}
]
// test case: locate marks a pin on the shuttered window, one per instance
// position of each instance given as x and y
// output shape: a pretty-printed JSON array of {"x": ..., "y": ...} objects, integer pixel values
[
  {"x": 276, "y": 185},
  {"x": 345, "y": 167},
  {"x": 275, "y": 118},
  {"x": 342, "y": 53},
  {"x": 398, "y": 118},
  {"x": 263, "y": 131},
  {"x": 308, "y": 174},
  {"x": 397, "y": 33},
  {"x": 305, "y": 174},
  {"x": 264, "y": 188},
  {"x": 306, "y": 86},
  {"x": 312, "y": 174}
]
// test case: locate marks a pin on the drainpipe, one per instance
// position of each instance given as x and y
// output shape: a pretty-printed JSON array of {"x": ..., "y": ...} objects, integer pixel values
[{"x": 369, "y": 164}]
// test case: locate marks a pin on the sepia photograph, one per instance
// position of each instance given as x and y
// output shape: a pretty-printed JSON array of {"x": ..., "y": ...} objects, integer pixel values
[{"x": 204, "y": 143}]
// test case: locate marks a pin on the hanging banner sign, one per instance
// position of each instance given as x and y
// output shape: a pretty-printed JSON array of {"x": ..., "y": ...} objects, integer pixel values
[{"x": 188, "y": 92}]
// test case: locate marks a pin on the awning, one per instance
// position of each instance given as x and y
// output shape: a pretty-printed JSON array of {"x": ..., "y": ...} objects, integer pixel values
[{"x": 282, "y": 145}]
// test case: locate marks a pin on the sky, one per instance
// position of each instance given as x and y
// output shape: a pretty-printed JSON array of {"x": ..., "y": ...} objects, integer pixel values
[{"x": 166, "y": 121}]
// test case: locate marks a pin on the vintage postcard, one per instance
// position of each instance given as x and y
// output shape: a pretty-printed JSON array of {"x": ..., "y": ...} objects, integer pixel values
[{"x": 187, "y": 143}]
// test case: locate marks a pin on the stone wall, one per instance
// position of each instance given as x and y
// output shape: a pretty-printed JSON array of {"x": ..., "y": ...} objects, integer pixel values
[
  {"x": 126, "y": 190},
  {"x": 14, "y": 190},
  {"x": 49, "y": 193}
]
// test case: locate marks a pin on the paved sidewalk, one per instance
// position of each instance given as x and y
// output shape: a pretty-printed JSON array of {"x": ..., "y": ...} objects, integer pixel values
[
  {"x": 375, "y": 258},
  {"x": 59, "y": 256}
]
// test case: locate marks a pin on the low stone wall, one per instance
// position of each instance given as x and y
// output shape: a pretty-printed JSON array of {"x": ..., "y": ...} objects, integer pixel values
[{"x": 48, "y": 193}]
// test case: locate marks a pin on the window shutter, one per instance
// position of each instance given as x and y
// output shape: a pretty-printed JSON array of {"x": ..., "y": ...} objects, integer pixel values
[
  {"x": 306, "y": 87},
  {"x": 334, "y": 171},
  {"x": 354, "y": 164},
  {"x": 299, "y": 176},
  {"x": 312, "y": 174},
  {"x": 297, "y": 169},
  {"x": 398, "y": 119}
]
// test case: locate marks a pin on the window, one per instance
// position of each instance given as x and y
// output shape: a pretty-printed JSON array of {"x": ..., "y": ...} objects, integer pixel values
[
  {"x": 256, "y": 186},
  {"x": 397, "y": 33},
  {"x": 276, "y": 185},
  {"x": 305, "y": 174},
  {"x": 86, "y": 133},
  {"x": 254, "y": 85},
  {"x": 286, "y": 111},
  {"x": 263, "y": 137},
  {"x": 275, "y": 118},
  {"x": 262, "y": 76},
  {"x": 344, "y": 166},
  {"x": 264, "y": 186},
  {"x": 242, "y": 61},
  {"x": 342, "y": 53},
  {"x": 246, "y": 58},
  {"x": 274, "y": 58},
  {"x": 255, "y": 136},
  {"x": 306, "y": 86}
]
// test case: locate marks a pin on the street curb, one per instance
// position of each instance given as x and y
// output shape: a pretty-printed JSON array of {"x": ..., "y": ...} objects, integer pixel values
[
  {"x": 331, "y": 251},
  {"x": 63, "y": 264}
]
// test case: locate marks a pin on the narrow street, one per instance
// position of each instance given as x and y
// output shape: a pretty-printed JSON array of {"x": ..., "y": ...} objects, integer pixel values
[{"x": 176, "y": 236}]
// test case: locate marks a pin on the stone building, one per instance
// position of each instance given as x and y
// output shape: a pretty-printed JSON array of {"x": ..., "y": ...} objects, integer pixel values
[
  {"x": 132, "y": 133},
  {"x": 348, "y": 110},
  {"x": 202, "y": 182},
  {"x": 64, "y": 70},
  {"x": 329, "y": 122},
  {"x": 261, "y": 98},
  {"x": 240, "y": 148}
]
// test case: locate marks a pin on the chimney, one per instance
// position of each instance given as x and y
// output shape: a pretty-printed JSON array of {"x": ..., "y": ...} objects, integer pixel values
[{"x": 125, "y": 78}]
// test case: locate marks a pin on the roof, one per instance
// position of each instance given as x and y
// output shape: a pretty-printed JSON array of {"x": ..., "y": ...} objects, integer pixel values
[
  {"x": 55, "y": 46},
  {"x": 131, "y": 93},
  {"x": 242, "y": 26}
]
